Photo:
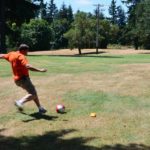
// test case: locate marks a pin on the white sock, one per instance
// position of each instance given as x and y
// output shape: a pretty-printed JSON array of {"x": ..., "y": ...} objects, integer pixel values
[{"x": 21, "y": 101}]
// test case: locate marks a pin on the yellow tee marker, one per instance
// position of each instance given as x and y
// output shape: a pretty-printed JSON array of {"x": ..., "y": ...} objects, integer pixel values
[{"x": 93, "y": 114}]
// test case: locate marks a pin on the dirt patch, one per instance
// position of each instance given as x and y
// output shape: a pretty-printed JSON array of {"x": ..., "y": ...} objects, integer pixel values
[{"x": 68, "y": 52}]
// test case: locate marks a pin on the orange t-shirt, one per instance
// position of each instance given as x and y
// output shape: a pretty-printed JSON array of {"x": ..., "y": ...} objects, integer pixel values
[{"x": 18, "y": 62}]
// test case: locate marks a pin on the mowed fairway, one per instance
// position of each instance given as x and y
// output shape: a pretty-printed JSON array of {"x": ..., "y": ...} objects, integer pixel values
[{"x": 116, "y": 86}]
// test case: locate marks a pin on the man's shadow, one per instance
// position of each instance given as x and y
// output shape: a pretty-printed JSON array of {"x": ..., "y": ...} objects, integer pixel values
[{"x": 38, "y": 116}]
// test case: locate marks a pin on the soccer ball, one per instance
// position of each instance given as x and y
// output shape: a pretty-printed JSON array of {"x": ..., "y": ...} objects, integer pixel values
[{"x": 60, "y": 108}]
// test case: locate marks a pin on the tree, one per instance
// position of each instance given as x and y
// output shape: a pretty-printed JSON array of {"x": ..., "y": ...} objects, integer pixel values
[
  {"x": 138, "y": 21},
  {"x": 121, "y": 17},
  {"x": 14, "y": 11},
  {"x": 61, "y": 25},
  {"x": 121, "y": 22},
  {"x": 41, "y": 12},
  {"x": 131, "y": 4},
  {"x": 83, "y": 32},
  {"x": 20, "y": 11},
  {"x": 142, "y": 23},
  {"x": 113, "y": 12},
  {"x": 76, "y": 35},
  {"x": 80, "y": 26},
  {"x": 36, "y": 33},
  {"x": 70, "y": 16},
  {"x": 132, "y": 21},
  {"x": 105, "y": 33},
  {"x": 52, "y": 11},
  {"x": 114, "y": 34}
]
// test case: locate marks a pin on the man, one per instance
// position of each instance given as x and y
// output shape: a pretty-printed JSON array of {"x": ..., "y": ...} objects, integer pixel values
[{"x": 20, "y": 68}]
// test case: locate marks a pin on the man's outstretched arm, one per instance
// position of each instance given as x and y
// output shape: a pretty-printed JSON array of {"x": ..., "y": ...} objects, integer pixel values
[
  {"x": 32, "y": 68},
  {"x": 2, "y": 56}
]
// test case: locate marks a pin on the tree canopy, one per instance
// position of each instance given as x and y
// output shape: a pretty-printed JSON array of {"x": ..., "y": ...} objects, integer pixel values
[{"x": 63, "y": 29}]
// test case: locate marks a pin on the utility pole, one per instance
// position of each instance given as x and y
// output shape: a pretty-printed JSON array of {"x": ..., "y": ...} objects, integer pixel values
[
  {"x": 97, "y": 28},
  {"x": 2, "y": 27}
]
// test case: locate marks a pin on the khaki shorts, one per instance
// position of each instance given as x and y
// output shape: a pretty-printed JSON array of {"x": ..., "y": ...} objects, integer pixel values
[{"x": 26, "y": 84}]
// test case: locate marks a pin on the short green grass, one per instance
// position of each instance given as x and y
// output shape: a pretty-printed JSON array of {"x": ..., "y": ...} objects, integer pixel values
[{"x": 115, "y": 87}]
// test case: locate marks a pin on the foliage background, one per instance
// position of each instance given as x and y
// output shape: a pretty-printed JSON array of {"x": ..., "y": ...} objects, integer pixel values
[{"x": 63, "y": 29}]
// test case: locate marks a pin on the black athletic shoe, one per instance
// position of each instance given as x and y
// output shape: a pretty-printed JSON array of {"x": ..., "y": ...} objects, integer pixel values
[{"x": 42, "y": 110}]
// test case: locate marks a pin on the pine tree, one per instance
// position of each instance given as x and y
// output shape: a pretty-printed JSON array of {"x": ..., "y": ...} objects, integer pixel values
[
  {"x": 52, "y": 11},
  {"x": 61, "y": 25},
  {"x": 113, "y": 12},
  {"x": 138, "y": 22},
  {"x": 142, "y": 22},
  {"x": 121, "y": 17},
  {"x": 70, "y": 14},
  {"x": 131, "y": 4},
  {"x": 41, "y": 12}
]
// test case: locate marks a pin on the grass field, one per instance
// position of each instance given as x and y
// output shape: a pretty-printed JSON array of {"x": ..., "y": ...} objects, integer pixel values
[{"x": 114, "y": 86}]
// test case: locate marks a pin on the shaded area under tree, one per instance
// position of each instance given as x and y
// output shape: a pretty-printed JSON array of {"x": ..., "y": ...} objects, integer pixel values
[{"x": 54, "y": 141}]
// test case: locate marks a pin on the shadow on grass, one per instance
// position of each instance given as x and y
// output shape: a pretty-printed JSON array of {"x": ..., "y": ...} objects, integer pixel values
[
  {"x": 49, "y": 141},
  {"x": 54, "y": 141},
  {"x": 38, "y": 116},
  {"x": 89, "y": 54}
]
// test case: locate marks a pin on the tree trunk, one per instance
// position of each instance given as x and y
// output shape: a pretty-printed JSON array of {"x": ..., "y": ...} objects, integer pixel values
[
  {"x": 136, "y": 43},
  {"x": 96, "y": 50},
  {"x": 79, "y": 49}
]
